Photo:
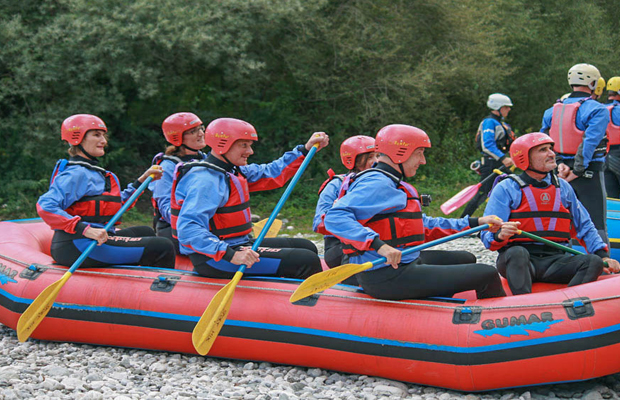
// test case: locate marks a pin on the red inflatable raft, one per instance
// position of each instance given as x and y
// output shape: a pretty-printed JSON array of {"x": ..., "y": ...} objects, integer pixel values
[{"x": 555, "y": 335}]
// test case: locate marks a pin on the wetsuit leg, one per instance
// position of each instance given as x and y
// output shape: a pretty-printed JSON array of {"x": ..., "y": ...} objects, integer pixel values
[
  {"x": 591, "y": 193},
  {"x": 296, "y": 258},
  {"x": 334, "y": 257},
  {"x": 416, "y": 280},
  {"x": 514, "y": 265},
  {"x": 163, "y": 229},
  {"x": 485, "y": 170},
  {"x": 132, "y": 246},
  {"x": 571, "y": 269},
  {"x": 447, "y": 257}
]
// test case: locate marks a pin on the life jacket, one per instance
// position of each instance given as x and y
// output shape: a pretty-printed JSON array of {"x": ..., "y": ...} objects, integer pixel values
[
  {"x": 99, "y": 208},
  {"x": 332, "y": 175},
  {"x": 231, "y": 220},
  {"x": 503, "y": 143},
  {"x": 613, "y": 130},
  {"x": 564, "y": 129},
  {"x": 541, "y": 212},
  {"x": 401, "y": 228}
]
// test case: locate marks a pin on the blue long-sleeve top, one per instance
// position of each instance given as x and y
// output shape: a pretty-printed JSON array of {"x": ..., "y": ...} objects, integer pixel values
[
  {"x": 162, "y": 188},
  {"x": 506, "y": 196},
  {"x": 493, "y": 132},
  {"x": 592, "y": 118},
  {"x": 69, "y": 186},
  {"x": 326, "y": 201},
  {"x": 615, "y": 112},
  {"x": 375, "y": 193},
  {"x": 203, "y": 190}
]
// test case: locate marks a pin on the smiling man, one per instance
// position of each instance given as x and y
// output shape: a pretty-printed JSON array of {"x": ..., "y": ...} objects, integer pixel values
[
  {"x": 210, "y": 206},
  {"x": 539, "y": 202},
  {"x": 381, "y": 214}
]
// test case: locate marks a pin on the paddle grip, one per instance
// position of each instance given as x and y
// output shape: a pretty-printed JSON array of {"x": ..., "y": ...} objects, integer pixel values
[{"x": 435, "y": 242}]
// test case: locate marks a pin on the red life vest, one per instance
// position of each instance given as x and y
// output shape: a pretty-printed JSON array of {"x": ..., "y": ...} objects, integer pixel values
[
  {"x": 613, "y": 130},
  {"x": 332, "y": 175},
  {"x": 231, "y": 220},
  {"x": 564, "y": 129},
  {"x": 402, "y": 228},
  {"x": 99, "y": 208},
  {"x": 541, "y": 212}
]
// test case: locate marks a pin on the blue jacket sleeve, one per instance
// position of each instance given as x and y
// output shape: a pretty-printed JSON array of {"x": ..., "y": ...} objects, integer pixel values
[
  {"x": 274, "y": 174},
  {"x": 546, "y": 121},
  {"x": 201, "y": 192},
  {"x": 325, "y": 203},
  {"x": 505, "y": 196},
  {"x": 438, "y": 227},
  {"x": 594, "y": 118},
  {"x": 489, "y": 145},
  {"x": 162, "y": 189},
  {"x": 368, "y": 196}
]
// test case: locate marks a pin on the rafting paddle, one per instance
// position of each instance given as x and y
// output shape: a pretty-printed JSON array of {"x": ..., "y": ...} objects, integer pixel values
[
  {"x": 211, "y": 322},
  {"x": 551, "y": 243},
  {"x": 468, "y": 193},
  {"x": 36, "y": 312},
  {"x": 273, "y": 230},
  {"x": 326, "y": 279}
]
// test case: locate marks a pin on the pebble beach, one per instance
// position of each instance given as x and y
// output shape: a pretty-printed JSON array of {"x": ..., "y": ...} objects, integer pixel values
[{"x": 46, "y": 370}]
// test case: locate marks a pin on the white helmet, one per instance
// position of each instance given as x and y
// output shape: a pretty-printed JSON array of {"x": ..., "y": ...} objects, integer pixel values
[
  {"x": 583, "y": 75},
  {"x": 498, "y": 100}
]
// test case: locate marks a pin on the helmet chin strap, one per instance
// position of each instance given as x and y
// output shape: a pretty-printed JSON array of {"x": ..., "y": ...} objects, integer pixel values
[
  {"x": 189, "y": 148},
  {"x": 537, "y": 171},
  {"x": 87, "y": 154},
  {"x": 402, "y": 170}
]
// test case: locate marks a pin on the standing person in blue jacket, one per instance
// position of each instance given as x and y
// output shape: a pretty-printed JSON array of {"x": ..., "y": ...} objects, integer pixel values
[
  {"x": 493, "y": 140},
  {"x": 612, "y": 164},
  {"x": 357, "y": 154},
  {"x": 211, "y": 206},
  {"x": 381, "y": 213},
  {"x": 83, "y": 197},
  {"x": 540, "y": 203},
  {"x": 577, "y": 125},
  {"x": 186, "y": 135}
]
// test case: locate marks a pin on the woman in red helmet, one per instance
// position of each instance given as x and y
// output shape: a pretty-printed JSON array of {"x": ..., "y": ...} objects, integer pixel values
[
  {"x": 83, "y": 197},
  {"x": 357, "y": 154},
  {"x": 186, "y": 135},
  {"x": 381, "y": 213},
  {"x": 211, "y": 206}
]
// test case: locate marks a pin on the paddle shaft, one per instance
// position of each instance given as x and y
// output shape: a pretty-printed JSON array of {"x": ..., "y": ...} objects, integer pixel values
[
  {"x": 435, "y": 242},
  {"x": 111, "y": 223},
  {"x": 283, "y": 199}
]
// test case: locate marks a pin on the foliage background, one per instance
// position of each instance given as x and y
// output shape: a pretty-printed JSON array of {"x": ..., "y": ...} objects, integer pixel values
[{"x": 290, "y": 67}]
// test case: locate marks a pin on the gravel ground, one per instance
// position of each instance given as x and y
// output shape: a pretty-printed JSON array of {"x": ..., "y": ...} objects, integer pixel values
[{"x": 45, "y": 370}]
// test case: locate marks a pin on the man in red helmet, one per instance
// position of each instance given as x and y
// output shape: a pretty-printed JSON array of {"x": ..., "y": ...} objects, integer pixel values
[
  {"x": 357, "y": 154},
  {"x": 210, "y": 206},
  {"x": 539, "y": 202},
  {"x": 381, "y": 213},
  {"x": 186, "y": 135}
]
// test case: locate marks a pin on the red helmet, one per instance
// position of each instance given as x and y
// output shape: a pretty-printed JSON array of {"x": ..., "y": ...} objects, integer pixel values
[
  {"x": 354, "y": 146},
  {"x": 400, "y": 141},
  {"x": 520, "y": 148},
  {"x": 176, "y": 124},
  {"x": 75, "y": 127},
  {"x": 223, "y": 132}
]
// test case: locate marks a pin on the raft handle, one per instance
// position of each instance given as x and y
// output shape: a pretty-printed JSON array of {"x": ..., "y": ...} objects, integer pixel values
[
  {"x": 33, "y": 271},
  {"x": 164, "y": 283},
  {"x": 466, "y": 315},
  {"x": 579, "y": 307}
]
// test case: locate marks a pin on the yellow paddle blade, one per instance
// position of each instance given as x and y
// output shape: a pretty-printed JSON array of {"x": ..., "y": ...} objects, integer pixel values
[
  {"x": 209, "y": 325},
  {"x": 326, "y": 279},
  {"x": 34, "y": 314},
  {"x": 273, "y": 231}
]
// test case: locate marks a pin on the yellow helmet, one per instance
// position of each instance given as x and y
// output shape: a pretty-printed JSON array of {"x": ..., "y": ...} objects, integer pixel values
[
  {"x": 600, "y": 86},
  {"x": 614, "y": 84},
  {"x": 565, "y": 95}
]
